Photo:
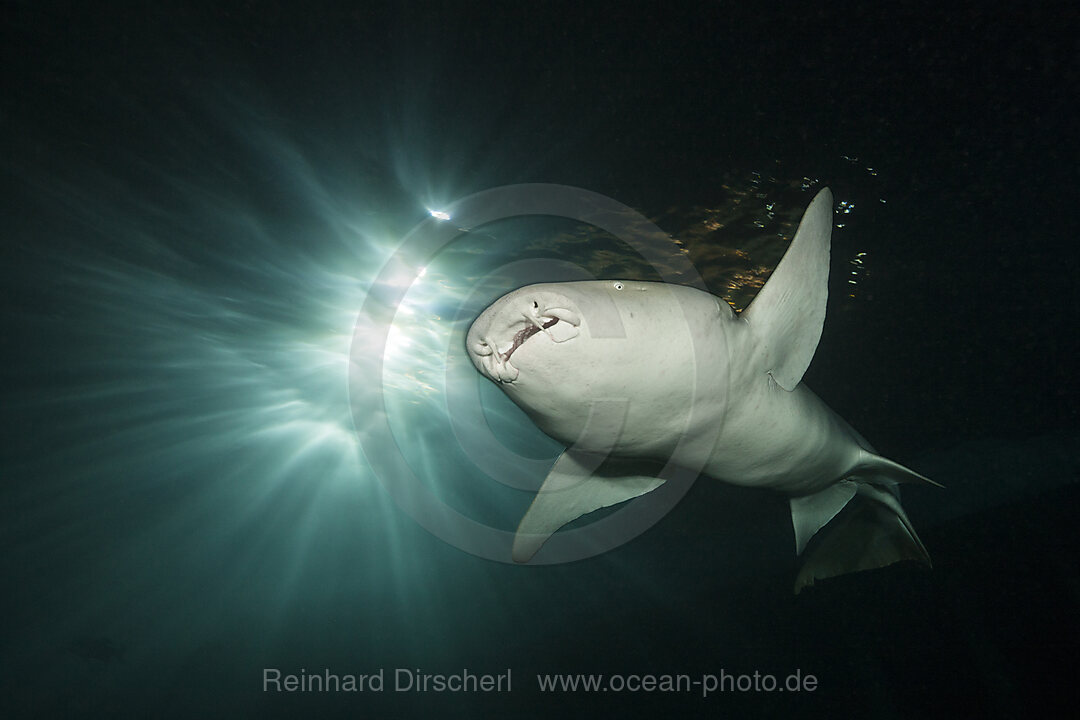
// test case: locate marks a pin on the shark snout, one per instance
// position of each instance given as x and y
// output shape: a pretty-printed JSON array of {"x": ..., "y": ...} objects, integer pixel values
[{"x": 510, "y": 322}]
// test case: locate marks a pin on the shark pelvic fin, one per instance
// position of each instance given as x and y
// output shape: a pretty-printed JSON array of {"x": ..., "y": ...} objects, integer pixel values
[
  {"x": 870, "y": 531},
  {"x": 810, "y": 513}
]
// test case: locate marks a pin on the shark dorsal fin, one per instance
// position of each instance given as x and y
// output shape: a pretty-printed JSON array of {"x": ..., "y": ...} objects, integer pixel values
[{"x": 789, "y": 312}]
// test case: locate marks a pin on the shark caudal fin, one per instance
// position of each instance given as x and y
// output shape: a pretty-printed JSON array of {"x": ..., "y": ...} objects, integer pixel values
[{"x": 856, "y": 524}]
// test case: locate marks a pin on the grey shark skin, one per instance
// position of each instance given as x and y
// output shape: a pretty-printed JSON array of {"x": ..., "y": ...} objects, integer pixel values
[{"x": 661, "y": 372}]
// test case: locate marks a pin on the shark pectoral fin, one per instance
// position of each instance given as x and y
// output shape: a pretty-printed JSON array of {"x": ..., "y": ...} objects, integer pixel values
[
  {"x": 571, "y": 490},
  {"x": 810, "y": 513},
  {"x": 789, "y": 312}
]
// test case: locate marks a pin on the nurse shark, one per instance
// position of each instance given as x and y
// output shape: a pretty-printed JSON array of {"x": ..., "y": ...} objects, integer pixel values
[{"x": 656, "y": 372}]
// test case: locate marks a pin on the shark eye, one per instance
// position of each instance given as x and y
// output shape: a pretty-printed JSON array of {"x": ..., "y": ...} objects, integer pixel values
[
  {"x": 536, "y": 305},
  {"x": 618, "y": 286}
]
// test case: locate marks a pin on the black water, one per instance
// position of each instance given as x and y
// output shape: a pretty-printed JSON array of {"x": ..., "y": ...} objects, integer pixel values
[{"x": 197, "y": 201}]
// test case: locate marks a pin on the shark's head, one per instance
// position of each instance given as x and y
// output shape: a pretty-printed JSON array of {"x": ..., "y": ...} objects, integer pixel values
[
  {"x": 559, "y": 349},
  {"x": 505, "y": 334}
]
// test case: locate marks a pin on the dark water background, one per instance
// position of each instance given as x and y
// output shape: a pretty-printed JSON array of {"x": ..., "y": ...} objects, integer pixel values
[{"x": 197, "y": 199}]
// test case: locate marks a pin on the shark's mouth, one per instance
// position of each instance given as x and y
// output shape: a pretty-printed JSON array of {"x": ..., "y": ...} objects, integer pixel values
[
  {"x": 492, "y": 357},
  {"x": 524, "y": 334}
]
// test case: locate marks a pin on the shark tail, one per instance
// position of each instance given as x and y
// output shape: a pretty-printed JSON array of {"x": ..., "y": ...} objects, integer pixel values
[{"x": 857, "y": 523}]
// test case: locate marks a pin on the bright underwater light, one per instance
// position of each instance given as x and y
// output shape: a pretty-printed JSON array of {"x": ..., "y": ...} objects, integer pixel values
[{"x": 195, "y": 343}]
